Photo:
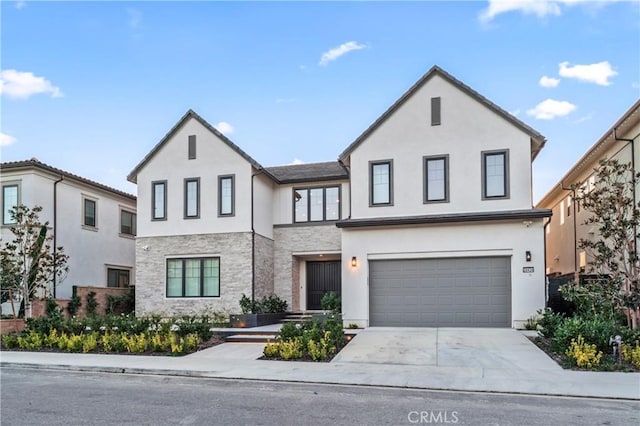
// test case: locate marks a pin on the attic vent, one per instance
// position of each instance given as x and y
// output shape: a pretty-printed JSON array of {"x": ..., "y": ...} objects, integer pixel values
[
  {"x": 192, "y": 147},
  {"x": 435, "y": 111}
]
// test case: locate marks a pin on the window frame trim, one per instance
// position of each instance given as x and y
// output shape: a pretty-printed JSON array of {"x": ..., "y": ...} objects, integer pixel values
[
  {"x": 182, "y": 259},
  {"x": 134, "y": 224},
  {"x": 86, "y": 198},
  {"x": 506, "y": 169},
  {"x": 324, "y": 219},
  {"x": 153, "y": 200},
  {"x": 371, "y": 166},
  {"x": 119, "y": 268},
  {"x": 436, "y": 119},
  {"x": 191, "y": 143},
  {"x": 425, "y": 161},
  {"x": 233, "y": 195},
  {"x": 185, "y": 198},
  {"x": 10, "y": 184}
]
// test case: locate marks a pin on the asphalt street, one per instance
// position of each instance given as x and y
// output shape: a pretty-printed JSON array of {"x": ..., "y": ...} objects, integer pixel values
[{"x": 56, "y": 397}]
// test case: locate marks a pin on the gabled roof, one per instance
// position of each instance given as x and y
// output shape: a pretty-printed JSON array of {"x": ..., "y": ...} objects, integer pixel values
[
  {"x": 190, "y": 114},
  {"x": 35, "y": 164},
  {"x": 590, "y": 159},
  {"x": 312, "y": 172},
  {"x": 537, "y": 139}
]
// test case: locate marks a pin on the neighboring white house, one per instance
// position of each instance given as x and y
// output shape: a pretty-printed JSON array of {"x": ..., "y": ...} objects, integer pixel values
[
  {"x": 566, "y": 227},
  {"x": 425, "y": 220},
  {"x": 95, "y": 224}
]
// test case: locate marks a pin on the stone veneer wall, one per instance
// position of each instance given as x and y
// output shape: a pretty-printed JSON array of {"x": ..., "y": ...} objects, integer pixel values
[
  {"x": 299, "y": 240},
  {"x": 263, "y": 267},
  {"x": 234, "y": 250}
]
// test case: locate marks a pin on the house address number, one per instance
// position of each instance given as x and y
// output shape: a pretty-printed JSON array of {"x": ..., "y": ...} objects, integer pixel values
[{"x": 527, "y": 269}]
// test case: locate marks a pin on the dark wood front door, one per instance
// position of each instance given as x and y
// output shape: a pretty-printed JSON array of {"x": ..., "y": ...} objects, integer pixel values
[{"x": 322, "y": 277}]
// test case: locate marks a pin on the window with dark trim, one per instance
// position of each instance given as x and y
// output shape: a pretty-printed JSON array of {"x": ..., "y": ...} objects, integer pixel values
[
  {"x": 435, "y": 111},
  {"x": 192, "y": 198},
  {"x": 381, "y": 183},
  {"x": 226, "y": 195},
  {"x": 90, "y": 207},
  {"x": 495, "y": 174},
  {"x": 436, "y": 179},
  {"x": 316, "y": 204},
  {"x": 10, "y": 200},
  {"x": 192, "y": 147},
  {"x": 127, "y": 222},
  {"x": 118, "y": 277},
  {"x": 193, "y": 277},
  {"x": 159, "y": 200}
]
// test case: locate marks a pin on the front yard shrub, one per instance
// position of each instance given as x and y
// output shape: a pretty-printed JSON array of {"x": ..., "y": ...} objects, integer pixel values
[
  {"x": 32, "y": 341},
  {"x": 583, "y": 354},
  {"x": 596, "y": 330},
  {"x": 311, "y": 340},
  {"x": 10, "y": 341},
  {"x": 319, "y": 351},
  {"x": 92, "y": 303},
  {"x": 631, "y": 354},
  {"x": 73, "y": 305},
  {"x": 549, "y": 322},
  {"x": 267, "y": 305},
  {"x": 291, "y": 349},
  {"x": 331, "y": 302}
]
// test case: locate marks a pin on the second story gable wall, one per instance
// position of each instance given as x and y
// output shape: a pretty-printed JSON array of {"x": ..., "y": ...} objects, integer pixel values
[
  {"x": 263, "y": 205},
  {"x": 213, "y": 159},
  {"x": 466, "y": 129},
  {"x": 284, "y": 201}
]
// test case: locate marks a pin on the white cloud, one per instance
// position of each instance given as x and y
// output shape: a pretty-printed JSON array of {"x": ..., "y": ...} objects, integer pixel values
[
  {"x": 18, "y": 84},
  {"x": 336, "y": 52},
  {"x": 594, "y": 73},
  {"x": 539, "y": 8},
  {"x": 135, "y": 18},
  {"x": 550, "y": 109},
  {"x": 21, "y": 5},
  {"x": 224, "y": 128},
  {"x": 549, "y": 81},
  {"x": 296, "y": 161},
  {"x": 6, "y": 140}
]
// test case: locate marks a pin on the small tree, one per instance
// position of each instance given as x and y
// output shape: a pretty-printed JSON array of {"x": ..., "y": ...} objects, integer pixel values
[
  {"x": 28, "y": 262},
  {"x": 613, "y": 250}
]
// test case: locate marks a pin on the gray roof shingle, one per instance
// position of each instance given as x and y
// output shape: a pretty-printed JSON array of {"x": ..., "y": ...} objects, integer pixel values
[{"x": 299, "y": 173}]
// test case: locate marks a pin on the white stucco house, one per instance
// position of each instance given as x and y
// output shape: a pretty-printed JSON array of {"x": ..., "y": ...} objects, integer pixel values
[
  {"x": 425, "y": 220},
  {"x": 95, "y": 224}
]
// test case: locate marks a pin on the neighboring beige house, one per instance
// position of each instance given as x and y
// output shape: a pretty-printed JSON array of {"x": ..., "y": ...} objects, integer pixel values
[
  {"x": 425, "y": 220},
  {"x": 566, "y": 227},
  {"x": 95, "y": 224}
]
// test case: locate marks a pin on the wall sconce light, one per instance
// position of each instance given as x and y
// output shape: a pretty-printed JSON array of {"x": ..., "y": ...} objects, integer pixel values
[
  {"x": 527, "y": 223},
  {"x": 527, "y": 256},
  {"x": 354, "y": 262},
  {"x": 297, "y": 196}
]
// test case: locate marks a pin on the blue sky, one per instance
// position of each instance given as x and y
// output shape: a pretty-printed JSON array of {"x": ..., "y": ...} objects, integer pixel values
[{"x": 91, "y": 87}]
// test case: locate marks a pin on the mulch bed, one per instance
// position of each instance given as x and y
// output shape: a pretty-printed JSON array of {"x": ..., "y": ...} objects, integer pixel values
[{"x": 607, "y": 363}]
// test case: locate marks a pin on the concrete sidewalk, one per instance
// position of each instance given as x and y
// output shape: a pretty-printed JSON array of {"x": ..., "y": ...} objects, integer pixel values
[{"x": 237, "y": 361}]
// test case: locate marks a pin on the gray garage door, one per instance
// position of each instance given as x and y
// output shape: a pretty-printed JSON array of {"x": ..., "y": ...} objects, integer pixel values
[{"x": 457, "y": 292}]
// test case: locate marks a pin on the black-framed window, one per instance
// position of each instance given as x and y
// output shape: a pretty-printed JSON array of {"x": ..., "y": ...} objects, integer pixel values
[
  {"x": 226, "y": 195},
  {"x": 127, "y": 222},
  {"x": 495, "y": 174},
  {"x": 192, "y": 198},
  {"x": 118, "y": 277},
  {"x": 435, "y": 111},
  {"x": 159, "y": 200},
  {"x": 436, "y": 179},
  {"x": 316, "y": 204},
  {"x": 10, "y": 200},
  {"x": 381, "y": 183},
  {"x": 192, "y": 147},
  {"x": 90, "y": 212},
  {"x": 193, "y": 277}
]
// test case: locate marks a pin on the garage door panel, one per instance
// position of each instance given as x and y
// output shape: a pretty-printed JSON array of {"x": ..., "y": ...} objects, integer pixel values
[{"x": 466, "y": 292}]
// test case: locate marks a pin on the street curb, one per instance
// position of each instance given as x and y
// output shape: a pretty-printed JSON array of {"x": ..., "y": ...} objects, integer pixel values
[{"x": 213, "y": 375}]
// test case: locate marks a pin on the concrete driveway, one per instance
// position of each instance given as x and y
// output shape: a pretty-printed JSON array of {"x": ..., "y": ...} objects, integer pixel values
[{"x": 486, "y": 348}]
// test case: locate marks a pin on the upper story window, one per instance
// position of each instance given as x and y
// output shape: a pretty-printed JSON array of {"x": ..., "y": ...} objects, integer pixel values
[
  {"x": 436, "y": 179},
  {"x": 90, "y": 208},
  {"x": 191, "y": 198},
  {"x": 194, "y": 277},
  {"x": 435, "y": 111},
  {"x": 127, "y": 222},
  {"x": 226, "y": 195},
  {"x": 381, "y": 183},
  {"x": 495, "y": 174},
  {"x": 159, "y": 200},
  {"x": 316, "y": 204},
  {"x": 192, "y": 147},
  {"x": 10, "y": 200}
]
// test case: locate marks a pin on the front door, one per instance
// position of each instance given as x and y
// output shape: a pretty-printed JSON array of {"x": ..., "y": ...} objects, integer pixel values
[{"x": 322, "y": 277}]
